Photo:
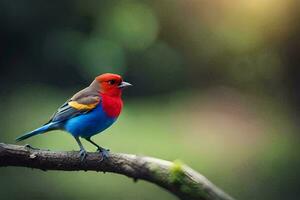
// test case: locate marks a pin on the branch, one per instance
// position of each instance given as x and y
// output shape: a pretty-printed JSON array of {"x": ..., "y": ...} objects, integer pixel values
[{"x": 179, "y": 179}]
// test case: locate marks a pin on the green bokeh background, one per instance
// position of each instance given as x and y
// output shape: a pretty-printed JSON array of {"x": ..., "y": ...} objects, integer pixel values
[{"x": 216, "y": 85}]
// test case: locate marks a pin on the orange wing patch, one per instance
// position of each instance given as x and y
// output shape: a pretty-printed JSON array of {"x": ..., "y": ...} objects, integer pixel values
[{"x": 79, "y": 106}]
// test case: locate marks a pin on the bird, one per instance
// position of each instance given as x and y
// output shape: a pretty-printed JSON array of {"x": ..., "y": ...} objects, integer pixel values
[{"x": 87, "y": 113}]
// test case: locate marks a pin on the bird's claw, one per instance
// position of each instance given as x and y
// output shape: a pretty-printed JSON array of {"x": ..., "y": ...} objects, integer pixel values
[
  {"x": 82, "y": 154},
  {"x": 104, "y": 153}
]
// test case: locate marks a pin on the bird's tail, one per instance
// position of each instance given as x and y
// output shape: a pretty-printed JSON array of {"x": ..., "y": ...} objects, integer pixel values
[{"x": 40, "y": 130}]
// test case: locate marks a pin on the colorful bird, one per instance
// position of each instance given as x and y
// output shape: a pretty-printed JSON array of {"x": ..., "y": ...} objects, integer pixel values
[{"x": 88, "y": 112}]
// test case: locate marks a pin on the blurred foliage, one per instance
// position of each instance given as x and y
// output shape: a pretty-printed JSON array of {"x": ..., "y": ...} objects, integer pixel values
[{"x": 216, "y": 86}]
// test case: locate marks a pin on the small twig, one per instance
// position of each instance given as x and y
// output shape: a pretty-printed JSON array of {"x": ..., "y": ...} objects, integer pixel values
[{"x": 179, "y": 179}]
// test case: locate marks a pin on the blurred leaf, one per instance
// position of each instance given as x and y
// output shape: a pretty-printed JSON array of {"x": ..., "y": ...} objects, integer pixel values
[
  {"x": 131, "y": 23},
  {"x": 100, "y": 56}
]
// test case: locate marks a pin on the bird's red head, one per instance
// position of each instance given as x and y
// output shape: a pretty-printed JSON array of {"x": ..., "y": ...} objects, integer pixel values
[{"x": 111, "y": 84}]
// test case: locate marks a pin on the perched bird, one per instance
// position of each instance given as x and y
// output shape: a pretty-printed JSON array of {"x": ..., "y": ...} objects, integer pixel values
[{"x": 88, "y": 112}]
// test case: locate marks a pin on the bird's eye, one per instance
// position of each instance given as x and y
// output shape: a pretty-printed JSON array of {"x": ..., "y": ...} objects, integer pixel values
[{"x": 111, "y": 82}]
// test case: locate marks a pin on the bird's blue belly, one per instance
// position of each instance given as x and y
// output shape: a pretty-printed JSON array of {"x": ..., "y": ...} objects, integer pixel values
[{"x": 89, "y": 124}]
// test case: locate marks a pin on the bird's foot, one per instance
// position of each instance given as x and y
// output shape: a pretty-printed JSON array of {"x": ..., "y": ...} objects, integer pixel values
[
  {"x": 104, "y": 153},
  {"x": 30, "y": 147},
  {"x": 82, "y": 154}
]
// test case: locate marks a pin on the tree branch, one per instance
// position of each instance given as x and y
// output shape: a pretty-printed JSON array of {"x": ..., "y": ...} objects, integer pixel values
[{"x": 179, "y": 179}]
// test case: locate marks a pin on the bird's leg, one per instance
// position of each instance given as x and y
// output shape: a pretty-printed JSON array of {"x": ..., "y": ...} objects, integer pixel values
[
  {"x": 98, "y": 147},
  {"x": 82, "y": 152},
  {"x": 103, "y": 151}
]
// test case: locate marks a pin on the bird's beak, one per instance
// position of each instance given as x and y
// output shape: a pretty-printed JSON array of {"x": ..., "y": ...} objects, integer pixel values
[{"x": 124, "y": 85}]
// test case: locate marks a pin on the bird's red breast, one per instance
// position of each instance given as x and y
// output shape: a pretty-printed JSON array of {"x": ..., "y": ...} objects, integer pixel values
[{"x": 112, "y": 106}]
